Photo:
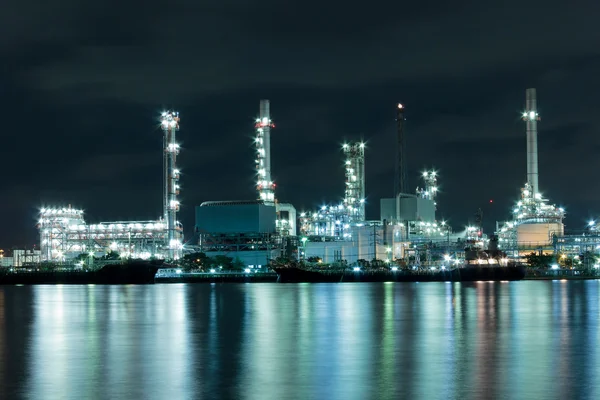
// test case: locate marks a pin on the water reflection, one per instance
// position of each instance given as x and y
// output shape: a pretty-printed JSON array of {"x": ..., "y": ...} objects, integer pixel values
[{"x": 326, "y": 341}]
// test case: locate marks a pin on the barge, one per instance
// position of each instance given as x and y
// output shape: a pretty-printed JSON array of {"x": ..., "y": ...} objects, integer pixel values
[{"x": 115, "y": 273}]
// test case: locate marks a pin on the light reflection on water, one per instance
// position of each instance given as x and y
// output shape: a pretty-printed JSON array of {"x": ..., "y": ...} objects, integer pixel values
[{"x": 515, "y": 340}]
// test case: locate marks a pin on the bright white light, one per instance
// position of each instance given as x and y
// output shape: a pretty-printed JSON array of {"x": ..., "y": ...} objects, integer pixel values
[
  {"x": 356, "y": 269},
  {"x": 591, "y": 223},
  {"x": 400, "y": 105},
  {"x": 212, "y": 271},
  {"x": 531, "y": 114},
  {"x": 178, "y": 271},
  {"x": 447, "y": 257},
  {"x": 555, "y": 266},
  {"x": 247, "y": 270},
  {"x": 394, "y": 268}
]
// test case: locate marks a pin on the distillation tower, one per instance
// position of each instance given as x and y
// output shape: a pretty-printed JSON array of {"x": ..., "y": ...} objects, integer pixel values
[
  {"x": 354, "y": 199},
  {"x": 263, "y": 125},
  {"x": 170, "y": 126}
]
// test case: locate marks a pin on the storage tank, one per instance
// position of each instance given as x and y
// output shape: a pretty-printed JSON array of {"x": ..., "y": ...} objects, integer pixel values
[{"x": 538, "y": 234}]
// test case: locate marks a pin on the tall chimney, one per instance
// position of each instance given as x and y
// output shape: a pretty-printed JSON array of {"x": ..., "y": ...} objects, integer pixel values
[
  {"x": 531, "y": 117},
  {"x": 400, "y": 173}
]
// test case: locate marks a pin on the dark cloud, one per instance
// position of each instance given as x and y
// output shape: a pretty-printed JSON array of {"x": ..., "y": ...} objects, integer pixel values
[{"x": 82, "y": 84}]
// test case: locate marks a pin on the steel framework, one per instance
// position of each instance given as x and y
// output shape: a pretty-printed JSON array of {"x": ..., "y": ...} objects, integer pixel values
[
  {"x": 263, "y": 125},
  {"x": 354, "y": 200},
  {"x": 170, "y": 125},
  {"x": 65, "y": 235}
]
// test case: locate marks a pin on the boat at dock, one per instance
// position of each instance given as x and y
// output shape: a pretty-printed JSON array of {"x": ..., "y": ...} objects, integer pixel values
[
  {"x": 295, "y": 272},
  {"x": 112, "y": 273}
]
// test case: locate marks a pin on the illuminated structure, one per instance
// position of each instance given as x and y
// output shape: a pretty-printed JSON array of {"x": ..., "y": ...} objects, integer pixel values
[
  {"x": 354, "y": 199},
  {"x": 535, "y": 223},
  {"x": 531, "y": 117},
  {"x": 65, "y": 235},
  {"x": 430, "y": 190},
  {"x": 335, "y": 221},
  {"x": 170, "y": 125},
  {"x": 265, "y": 186},
  {"x": 400, "y": 176},
  {"x": 328, "y": 221}
]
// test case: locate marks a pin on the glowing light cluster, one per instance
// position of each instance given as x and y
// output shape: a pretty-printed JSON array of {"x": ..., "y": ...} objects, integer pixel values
[
  {"x": 534, "y": 208},
  {"x": 430, "y": 229},
  {"x": 530, "y": 115},
  {"x": 430, "y": 190},
  {"x": 60, "y": 212},
  {"x": 169, "y": 120},
  {"x": 330, "y": 221}
]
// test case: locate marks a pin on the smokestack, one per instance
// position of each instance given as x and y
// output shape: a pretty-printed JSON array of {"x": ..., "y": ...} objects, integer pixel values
[
  {"x": 400, "y": 175},
  {"x": 531, "y": 117}
]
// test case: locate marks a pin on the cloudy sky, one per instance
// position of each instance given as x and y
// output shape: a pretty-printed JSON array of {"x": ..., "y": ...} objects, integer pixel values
[{"x": 82, "y": 85}]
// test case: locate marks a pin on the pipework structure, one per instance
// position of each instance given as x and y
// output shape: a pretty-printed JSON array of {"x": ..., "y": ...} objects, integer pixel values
[
  {"x": 354, "y": 199},
  {"x": 64, "y": 235},
  {"x": 170, "y": 126},
  {"x": 400, "y": 175},
  {"x": 263, "y": 125},
  {"x": 531, "y": 117}
]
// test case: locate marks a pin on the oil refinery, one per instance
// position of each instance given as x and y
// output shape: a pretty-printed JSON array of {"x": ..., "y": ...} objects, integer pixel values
[
  {"x": 255, "y": 231},
  {"x": 64, "y": 234}
]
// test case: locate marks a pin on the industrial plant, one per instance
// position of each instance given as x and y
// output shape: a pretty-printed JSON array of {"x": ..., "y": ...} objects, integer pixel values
[
  {"x": 65, "y": 235},
  {"x": 256, "y": 231}
]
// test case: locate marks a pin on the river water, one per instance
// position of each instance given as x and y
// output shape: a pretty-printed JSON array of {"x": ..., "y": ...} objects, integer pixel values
[{"x": 518, "y": 340}]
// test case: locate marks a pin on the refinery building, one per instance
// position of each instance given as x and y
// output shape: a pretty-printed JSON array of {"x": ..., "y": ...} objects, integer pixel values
[
  {"x": 65, "y": 234},
  {"x": 259, "y": 230}
]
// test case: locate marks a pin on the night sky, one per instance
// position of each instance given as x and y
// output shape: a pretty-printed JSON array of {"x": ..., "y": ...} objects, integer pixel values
[{"x": 82, "y": 85}]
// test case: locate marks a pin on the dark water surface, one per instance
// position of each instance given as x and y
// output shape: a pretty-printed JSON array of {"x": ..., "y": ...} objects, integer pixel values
[{"x": 519, "y": 340}]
